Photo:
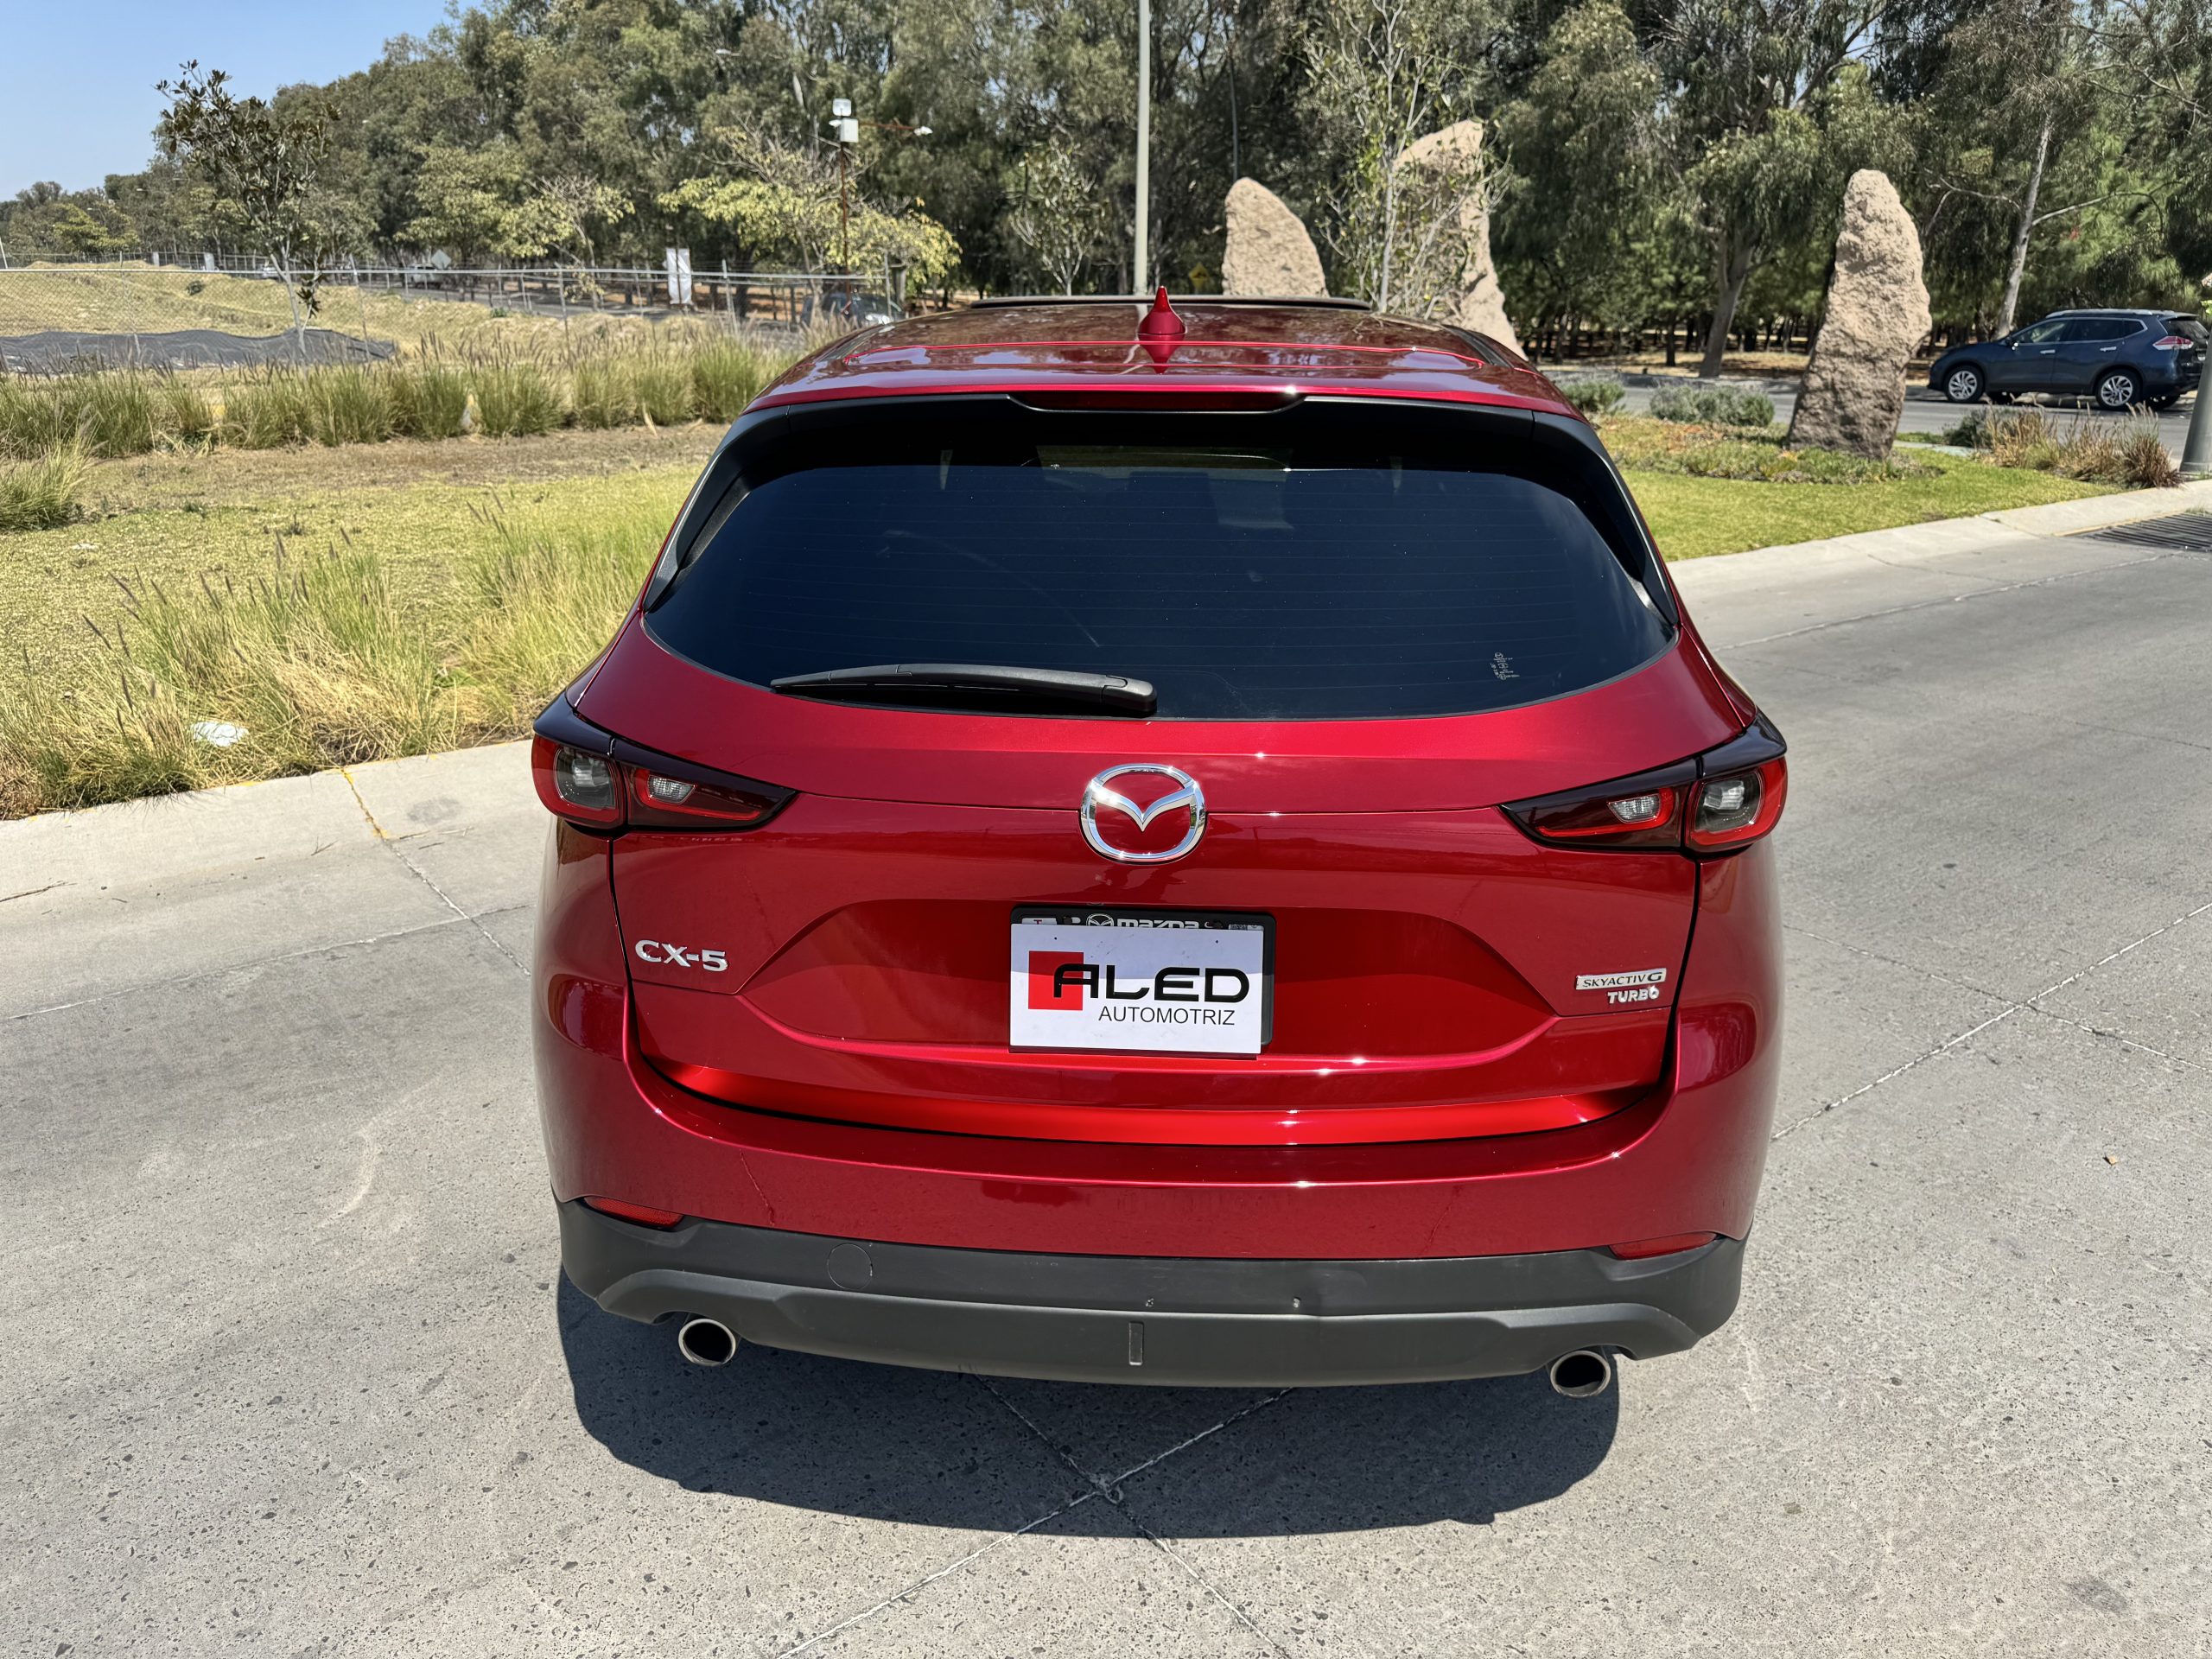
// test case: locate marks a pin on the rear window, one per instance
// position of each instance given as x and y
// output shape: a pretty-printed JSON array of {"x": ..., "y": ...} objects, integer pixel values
[{"x": 1250, "y": 568}]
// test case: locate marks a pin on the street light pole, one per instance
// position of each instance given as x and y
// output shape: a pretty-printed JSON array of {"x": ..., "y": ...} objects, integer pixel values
[
  {"x": 848, "y": 132},
  {"x": 2196, "y": 448},
  {"x": 1144, "y": 147}
]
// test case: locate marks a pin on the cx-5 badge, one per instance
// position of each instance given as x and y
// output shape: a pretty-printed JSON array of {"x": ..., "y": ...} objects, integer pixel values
[{"x": 1186, "y": 796}]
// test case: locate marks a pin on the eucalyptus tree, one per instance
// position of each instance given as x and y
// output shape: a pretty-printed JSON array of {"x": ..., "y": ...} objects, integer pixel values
[{"x": 1750, "y": 88}]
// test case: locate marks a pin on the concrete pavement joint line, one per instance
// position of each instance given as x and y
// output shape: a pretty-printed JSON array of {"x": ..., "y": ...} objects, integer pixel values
[
  {"x": 1951, "y": 599},
  {"x": 415, "y": 870},
  {"x": 2031, "y": 1005},
  {"x": 945, "y": 1572},
  {"x": 1898, "y": 962},
  {"x": 2125, "y": 1042},
  {"x": 1105, "y": 1488},
  {"x": 255, "y": 962},
  {"x": 1182, "y": 1446},
  {"x": 1206, "y": 1584},
  {"x": 2121, "y": 731},
  {"x": 1999, "y": 996}
]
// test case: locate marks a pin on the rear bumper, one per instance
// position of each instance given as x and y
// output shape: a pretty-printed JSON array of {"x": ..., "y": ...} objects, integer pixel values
[{"x": 1235, "y": 1322}]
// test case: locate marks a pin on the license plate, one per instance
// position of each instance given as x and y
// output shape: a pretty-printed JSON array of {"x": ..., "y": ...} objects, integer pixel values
[{"x": 1173, "y": 982}]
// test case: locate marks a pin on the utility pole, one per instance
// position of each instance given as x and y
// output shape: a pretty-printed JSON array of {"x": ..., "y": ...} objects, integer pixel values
[
  {"x": 2196, "y": 448},
  {"x": 1144, "y": 147}
]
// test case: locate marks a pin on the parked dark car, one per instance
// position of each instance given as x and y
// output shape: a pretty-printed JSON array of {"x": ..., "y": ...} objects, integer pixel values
[{"x": 2121, "y": 359}]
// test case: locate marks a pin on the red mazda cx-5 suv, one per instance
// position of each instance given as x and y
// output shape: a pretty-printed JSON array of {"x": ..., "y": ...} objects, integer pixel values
[{"x": 1156, "y": 848}]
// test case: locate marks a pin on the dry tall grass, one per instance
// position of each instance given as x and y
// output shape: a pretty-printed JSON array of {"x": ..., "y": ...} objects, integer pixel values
[
  {"x": 2090, "y": 447},
  {"x": 311, "y": 664}
]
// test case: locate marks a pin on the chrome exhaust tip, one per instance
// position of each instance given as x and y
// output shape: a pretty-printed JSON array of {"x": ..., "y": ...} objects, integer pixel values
[
  {"x": 706, "y": 1342},
  {"x": 1581, "y": 1374}
]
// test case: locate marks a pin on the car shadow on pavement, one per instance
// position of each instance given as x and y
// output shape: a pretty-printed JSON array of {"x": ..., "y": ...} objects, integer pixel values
[{"x": 935, "y": 1448}]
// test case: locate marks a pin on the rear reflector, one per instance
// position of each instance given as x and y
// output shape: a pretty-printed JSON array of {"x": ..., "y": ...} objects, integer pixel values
[
  {"x": 1671, "y": 1244},
  {"x": 643, "y": 1214}
]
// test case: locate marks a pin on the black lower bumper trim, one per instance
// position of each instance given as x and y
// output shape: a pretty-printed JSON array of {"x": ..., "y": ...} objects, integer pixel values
[{"x": 1167, "y": 1321}]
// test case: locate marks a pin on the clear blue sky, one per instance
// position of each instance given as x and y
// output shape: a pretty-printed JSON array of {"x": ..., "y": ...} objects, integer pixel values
[{"x": 77, "y": 98}]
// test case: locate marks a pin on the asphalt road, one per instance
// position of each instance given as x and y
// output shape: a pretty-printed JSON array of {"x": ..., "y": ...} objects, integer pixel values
[
  {"x": 289, "y": 1368},
  {"x": 1929, "y": 411}
]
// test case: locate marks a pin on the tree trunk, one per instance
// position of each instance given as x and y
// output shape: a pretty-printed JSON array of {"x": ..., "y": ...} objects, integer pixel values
[
  {"x": 284, "y": 262},
  {"x": 1670, "y": 342},
  {"x": 1731, "y": 268},
  {"x": 2019, "y": 265}
]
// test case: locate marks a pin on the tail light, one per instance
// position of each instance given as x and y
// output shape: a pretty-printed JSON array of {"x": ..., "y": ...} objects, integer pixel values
[
  {"x": 600, "y": 782},
  {"x": 1715, "y": 804},
  {"x": 2172, "y": 343}
]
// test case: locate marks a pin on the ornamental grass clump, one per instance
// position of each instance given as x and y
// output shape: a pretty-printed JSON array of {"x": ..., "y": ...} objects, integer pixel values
[
  {"x": 42, "y": 494},
  {"x": 427, "y": 400},
  {"x": 515, "y": 399}
]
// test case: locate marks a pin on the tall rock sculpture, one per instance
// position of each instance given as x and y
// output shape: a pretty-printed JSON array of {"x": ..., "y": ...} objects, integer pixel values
[
  {"x": 1269, "y": 252},
  {"x": 1877, "y": 315},
  {"x": 1453, "y": 157}
]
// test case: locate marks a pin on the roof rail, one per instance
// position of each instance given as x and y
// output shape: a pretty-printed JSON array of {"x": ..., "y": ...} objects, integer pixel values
[{"x": 1320, "y": 300}]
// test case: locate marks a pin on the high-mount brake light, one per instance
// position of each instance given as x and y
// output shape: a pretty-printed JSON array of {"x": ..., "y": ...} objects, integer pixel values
[
  {"x": 601, "y": 782},
  {"x": 1715, "y": 804}
]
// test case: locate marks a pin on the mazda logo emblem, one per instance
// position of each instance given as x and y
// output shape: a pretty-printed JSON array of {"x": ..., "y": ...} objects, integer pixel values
[{"x": 1099, "y": 794}]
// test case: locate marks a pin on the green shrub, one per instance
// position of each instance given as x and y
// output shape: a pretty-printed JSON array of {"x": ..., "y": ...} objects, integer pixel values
[
  {"x": 348, "y": 405},
  {"x": 1597, "y": 396},
  {"x": 42, "y": 494},
  {"x": 1712, "y": 406},
  {"x": 1970, "y": 430},
  {"x": 728, "y": 375},
  {"x": 427, "y": 400},
  {"x": 33, "y": 420},
  {"x": 110, "y": 412},
  {"x": 661, "y": 386},
  {"x": 185, "y": 415},
  {"x": 114, "y": 411},
  {"x": 515, "y": 400},
  {"x": 266, "y": 410},
  {"x": 599, "y": 391}
]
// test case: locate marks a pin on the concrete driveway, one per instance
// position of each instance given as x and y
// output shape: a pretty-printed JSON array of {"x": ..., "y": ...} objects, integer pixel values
[{"x": 289, "y": 1367}]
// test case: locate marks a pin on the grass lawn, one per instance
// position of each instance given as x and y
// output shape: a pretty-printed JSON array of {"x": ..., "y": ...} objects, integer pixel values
[{"x": 1693, "y": 517}]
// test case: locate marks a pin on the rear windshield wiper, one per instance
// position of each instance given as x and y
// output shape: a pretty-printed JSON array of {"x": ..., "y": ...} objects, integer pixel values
[{"x": 984, "y": 686}]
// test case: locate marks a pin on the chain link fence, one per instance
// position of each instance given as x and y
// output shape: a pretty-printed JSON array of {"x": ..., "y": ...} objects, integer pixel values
[{"x": 226, "y": 310}]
